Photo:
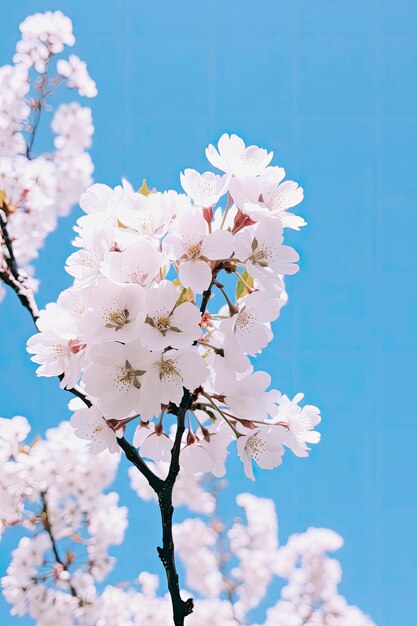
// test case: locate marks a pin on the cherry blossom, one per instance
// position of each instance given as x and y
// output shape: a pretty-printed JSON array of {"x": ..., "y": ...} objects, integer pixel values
[
  {"x": 233, "y": 157},
  {"x": 153, "y": 442},
  {"x": 204, "y": 189},
  {"x": 264, "y": 445},
  {"x": 115, "y": 377},
  {"x": 37, "y": 188},
  {"x": 151, "y": 215},
  {"x": 300, "y": 422},
  {"x": 61, "y": 559},
  {"x": 57, "y": 356},
  {"x": 76, "y": 72},
  {"x": 248, "y": 397},
  {"x": 207, "y": 451},
  {"x": 89, "y": 424},
  {"x": 114, "y": 313},
  {"x": 139, "y": 263},
  {"x": 193, "y": 247},
  {"x": 168, "y": 324},
  {"x": 263, "y": 253},
  {"x": 172, "y": 293},
  {"x": 169, "y": 373},
  {"x": 265, "y": 196},
  {"x": 247, "y": 330}
]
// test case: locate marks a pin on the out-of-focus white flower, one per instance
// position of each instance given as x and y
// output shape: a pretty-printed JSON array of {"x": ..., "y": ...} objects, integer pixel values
[{"x": 75, "y": 71}]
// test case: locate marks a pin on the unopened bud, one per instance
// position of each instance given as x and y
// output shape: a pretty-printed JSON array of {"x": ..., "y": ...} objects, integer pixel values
[{"x": 208, "y": 214}]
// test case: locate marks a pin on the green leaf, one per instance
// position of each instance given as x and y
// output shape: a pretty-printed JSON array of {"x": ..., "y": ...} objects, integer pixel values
[
  {"x": 241, "y": 289},
  {"x": 186, "y": 295}
]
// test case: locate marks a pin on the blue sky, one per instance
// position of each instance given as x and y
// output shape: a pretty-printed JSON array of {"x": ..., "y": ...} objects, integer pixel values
[{"x": 331, "y": 86}]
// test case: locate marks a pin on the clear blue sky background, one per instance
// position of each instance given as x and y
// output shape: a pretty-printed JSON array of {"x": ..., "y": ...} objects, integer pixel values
[{"x": 331, "y": 85}]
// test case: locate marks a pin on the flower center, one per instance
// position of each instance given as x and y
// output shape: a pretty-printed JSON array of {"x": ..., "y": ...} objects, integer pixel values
[
  {"x": 194, "y": 250},
  {"x": 117, "y": 319},
  {"x": 74, "y": 346},
  {"x": 128, "y": 377},
  {"x": 163, "y": 323},
  {"x": 167, "y": 369}
]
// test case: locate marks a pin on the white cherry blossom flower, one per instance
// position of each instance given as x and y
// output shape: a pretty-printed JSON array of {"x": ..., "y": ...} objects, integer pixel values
[
  {"x": 233, "y": 157},
  {"x": 149, "y": 216},
  {"x": 193, "y": 247},
  {"x": 266, "y": 196},
  {"x": 13, "y": 431},
  {"x": 248, "y": 396},
  {"x": 86, "y": 265},
  {"x": 139, "y": 263},
  {"x": 102, "y": 200},
  {"x": 248, "y": 330},
  {"x": 265, "y": 256},
  {"x": 264, "y": 445},
  {"x": 165, "y": 379},
  {"x": 153, "y": 442},
  {"x": 300, "y": 422},
  {"x": 204, "y": 189},
  {"x": 89, "y": 424},
  {"x": 115, "y": 376},
  {"x": 274, "y": 201},
  {"x": 57, "y": 356},
  {"x": 208, "y": 451},
  {"x": 167, "y": 324},
  {"x": 250, "y": 188},
  {"x": 115, "y": 313},
  {"x": 63, "y": 317}
]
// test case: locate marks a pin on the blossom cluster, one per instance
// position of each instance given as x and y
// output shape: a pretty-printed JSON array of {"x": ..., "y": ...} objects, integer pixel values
[
  {"x": 141, "y": 322},
  {"x": 52, "y": 489},
  {"x": 36, "y": 189}
]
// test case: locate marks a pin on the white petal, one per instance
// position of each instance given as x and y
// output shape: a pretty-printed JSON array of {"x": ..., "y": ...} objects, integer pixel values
[{"x": 195, "y": 274}]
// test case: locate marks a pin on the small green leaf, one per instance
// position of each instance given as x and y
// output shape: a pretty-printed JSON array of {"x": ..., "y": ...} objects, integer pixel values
[
  {"x": 186, "y": 295},
  {"x": 241, "y": 289}
]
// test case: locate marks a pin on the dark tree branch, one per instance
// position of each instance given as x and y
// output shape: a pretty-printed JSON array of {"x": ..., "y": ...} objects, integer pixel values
[
  {"x": 10, "y": 274},
  {"x": 181, "y": 608},
  {"x": 134, "y": 457},
  {"x": 10, "y": 258}
]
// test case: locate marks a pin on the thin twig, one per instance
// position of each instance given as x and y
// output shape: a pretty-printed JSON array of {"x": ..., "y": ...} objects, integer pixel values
[
  {"x": 38, "y": 111},
  {"x": 134, "y": 457},
  {"x": 47, "y": 526}
]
